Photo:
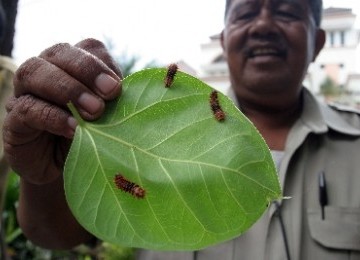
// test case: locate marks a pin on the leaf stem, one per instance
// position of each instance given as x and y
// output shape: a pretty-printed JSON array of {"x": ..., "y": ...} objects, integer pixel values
[{"x": 75, "y": 113}]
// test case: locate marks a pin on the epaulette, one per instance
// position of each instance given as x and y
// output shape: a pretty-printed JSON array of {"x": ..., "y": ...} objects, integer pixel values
[{"x": 344, "y": 108}]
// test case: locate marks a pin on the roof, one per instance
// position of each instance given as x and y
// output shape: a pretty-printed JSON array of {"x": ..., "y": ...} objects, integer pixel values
[{"x": 337, "y": 11}]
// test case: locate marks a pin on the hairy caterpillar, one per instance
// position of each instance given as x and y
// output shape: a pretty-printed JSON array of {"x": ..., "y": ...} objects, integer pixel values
[
  {"x": 128, "y": 186},
  {"x": 215, "y": 106},
  {"x": 170, "y": 75}
]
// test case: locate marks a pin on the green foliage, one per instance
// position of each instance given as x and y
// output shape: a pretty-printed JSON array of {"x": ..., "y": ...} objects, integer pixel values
[
  {"x": 18, "y": 247},
  {"x": 329, "y": 89},
  {"x": 116, "y": 252},
  {"x": 205, "y": 181},
  {"x": 128, "y": 63}
]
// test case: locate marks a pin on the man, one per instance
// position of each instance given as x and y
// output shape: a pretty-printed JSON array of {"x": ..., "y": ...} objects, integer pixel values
[{"x": 268, "y": 45}]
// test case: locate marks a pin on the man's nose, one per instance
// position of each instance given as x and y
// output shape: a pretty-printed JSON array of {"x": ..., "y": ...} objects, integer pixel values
[{"x": 264, "y": 25}]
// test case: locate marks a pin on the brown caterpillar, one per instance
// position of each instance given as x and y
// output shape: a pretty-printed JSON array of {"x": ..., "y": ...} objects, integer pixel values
[
  {"x": 128, "y": 186},
  {"x": 215, "y": 106},
  {"x": 170, "y": 75}
]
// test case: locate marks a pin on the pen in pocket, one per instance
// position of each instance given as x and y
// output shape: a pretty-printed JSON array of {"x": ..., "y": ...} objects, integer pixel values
[{"x": 323, "y": 197}]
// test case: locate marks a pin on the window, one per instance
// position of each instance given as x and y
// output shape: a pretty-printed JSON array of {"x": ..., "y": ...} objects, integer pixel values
[
  {"x": 342, "y": 38},
  {"x": 332, "y": 39}
]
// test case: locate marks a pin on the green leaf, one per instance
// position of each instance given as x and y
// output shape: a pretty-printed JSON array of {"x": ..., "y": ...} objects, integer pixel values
[{"x": 205, "y": 181}]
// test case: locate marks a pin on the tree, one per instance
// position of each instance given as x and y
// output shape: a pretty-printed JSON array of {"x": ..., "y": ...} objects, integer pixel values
[
  {"x": 329, "y": 88},
  {"x": 128, "y": 63}
]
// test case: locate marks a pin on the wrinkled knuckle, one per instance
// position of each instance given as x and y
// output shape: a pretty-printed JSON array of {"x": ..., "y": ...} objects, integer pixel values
[
  {"x": 90, "y": 44},
  {"x": 10, "y": 104},
  {"x": 92, "y": 68},
  {"x": 65, "y": 84},
  {"x": 54, "y": 50},
  {"x": 50, "y": 114},
  {"x": 25, "y": 104},
  {"x": 25, "y": 72},
  {"x": 6, "y": 135},
  {"x": 29, "y": 107}
]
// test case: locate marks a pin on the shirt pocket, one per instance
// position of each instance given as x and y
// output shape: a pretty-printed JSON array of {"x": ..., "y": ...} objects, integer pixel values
[{"x": 339, "y": 230}]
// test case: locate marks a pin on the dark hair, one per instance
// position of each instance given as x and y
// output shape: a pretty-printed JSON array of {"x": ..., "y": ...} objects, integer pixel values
[{"x": 315, "y": 7}]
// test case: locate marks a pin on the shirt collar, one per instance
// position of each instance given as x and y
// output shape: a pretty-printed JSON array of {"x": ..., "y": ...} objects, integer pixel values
[{"x": 318, "y": 117}]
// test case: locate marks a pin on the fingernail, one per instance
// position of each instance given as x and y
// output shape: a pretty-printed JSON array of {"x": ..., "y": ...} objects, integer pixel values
[
  {"x": 105, "y": 83},
  {"x": 89, "y": 103},
  {"x": 72, "y": 123}
]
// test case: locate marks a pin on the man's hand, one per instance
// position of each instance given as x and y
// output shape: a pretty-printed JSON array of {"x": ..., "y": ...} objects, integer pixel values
[{"x": 39, "y": 127}]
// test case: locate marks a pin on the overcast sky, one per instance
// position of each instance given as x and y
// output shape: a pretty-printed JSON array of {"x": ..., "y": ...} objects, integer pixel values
[{"x": 163, "y": 30}]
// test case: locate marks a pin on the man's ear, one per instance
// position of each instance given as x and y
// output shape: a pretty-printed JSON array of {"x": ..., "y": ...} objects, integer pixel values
[
  {"x": 222, "y": 38},
  {"x": 320, "y": 39},
  {"x": 222, "y": 41}
]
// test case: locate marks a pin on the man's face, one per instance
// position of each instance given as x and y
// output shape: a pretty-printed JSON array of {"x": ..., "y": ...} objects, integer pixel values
[{"x": 269, "y": 45}]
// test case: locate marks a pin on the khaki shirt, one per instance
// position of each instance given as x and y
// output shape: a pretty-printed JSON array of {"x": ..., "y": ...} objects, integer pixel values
[
  {"x": 7, "y": 70},
  {"x": 323, "y": 139}
]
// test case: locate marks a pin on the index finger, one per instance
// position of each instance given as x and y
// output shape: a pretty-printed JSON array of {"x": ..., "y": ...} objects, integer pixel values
[{"x": 85, "y": 68}]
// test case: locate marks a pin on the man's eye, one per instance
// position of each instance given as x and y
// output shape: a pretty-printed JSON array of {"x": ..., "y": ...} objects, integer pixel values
[
  {"x": 288, "y": 12},
  {"x": 287, "y": 15},
  {"x": 245, "y": 16}
]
